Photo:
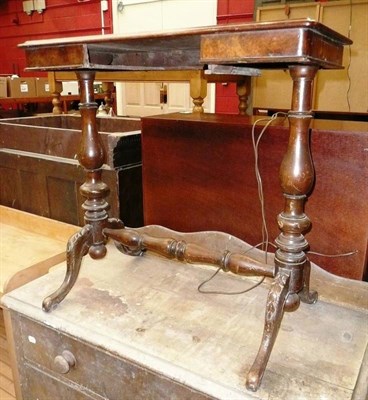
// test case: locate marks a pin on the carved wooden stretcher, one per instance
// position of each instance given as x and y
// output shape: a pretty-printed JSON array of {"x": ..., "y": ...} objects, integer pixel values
[{"x": 301, "y": 46}]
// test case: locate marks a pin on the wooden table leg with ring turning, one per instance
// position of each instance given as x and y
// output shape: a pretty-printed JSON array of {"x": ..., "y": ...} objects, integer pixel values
[
  {"x": 291, "y": 282},
  {"x": 91, "y": 156}
]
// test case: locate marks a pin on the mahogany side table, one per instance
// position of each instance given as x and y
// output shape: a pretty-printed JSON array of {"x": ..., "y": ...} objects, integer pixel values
[{"x": 302, "y": 46}]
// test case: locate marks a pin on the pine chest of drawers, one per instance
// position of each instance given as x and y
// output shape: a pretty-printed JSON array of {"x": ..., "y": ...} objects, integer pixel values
[{"x": 137, "y": 328}]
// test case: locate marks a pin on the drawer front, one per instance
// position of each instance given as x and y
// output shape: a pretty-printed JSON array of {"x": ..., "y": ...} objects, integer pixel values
[
  {"x": 97, "y": 370},
  {"x": 40, "y": 386}
]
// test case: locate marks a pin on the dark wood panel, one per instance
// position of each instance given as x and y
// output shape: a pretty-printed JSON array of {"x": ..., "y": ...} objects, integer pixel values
[
  {"x": 68, "y": 191},
  {"x": 33, "y": 190},
  {"x": 50, "y": 186},
  {"x": 60, "y": 136},
  {"x": 43, "y": 176},
  {"x": 198, "y": 174},
  {"x": 130, "y": 194},
  {"x": 9, "y": 187}
]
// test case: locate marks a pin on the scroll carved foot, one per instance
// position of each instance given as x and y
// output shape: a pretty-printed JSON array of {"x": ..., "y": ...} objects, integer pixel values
[
  {"x": 77, "y": 248},
  {"x": 307, "y": 296},
  {"x": 274, "y": 312}
]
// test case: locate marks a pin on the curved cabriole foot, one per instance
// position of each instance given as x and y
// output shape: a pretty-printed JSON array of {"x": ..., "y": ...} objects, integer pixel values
[
  {"x": 77, "y": 248},
  {"x": 274, "y": 312},
  {"x": 307, "y": 296}
]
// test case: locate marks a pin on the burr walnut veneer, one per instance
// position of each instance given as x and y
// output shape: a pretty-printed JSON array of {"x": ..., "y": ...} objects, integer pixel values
[{"x": 303, "y": 47}]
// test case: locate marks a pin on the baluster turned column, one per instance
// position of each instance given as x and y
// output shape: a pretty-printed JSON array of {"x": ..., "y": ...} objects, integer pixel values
[
  {"x": 243, "y": 90},
  {"x": 297, "y": 178},
  {"x": 291, "y": 283},
  {"x": 92, "y": 156}
]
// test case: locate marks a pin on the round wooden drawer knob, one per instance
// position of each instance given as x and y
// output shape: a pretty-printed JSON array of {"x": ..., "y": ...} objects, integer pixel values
[{"x": 63, "y": 362}]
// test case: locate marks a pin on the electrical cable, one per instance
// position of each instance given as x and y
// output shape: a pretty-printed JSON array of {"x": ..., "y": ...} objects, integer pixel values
[
  {"x": 265, "y": 239},
  {"x": 200, "y": 290},
  {"x": 255, "y": 142},
  {"x": 349, "y": 63},
  {"x": 347, "y": 254}
]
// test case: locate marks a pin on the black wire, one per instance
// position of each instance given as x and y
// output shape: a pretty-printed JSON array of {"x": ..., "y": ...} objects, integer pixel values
[
  {"x": 349, "y": 253},
  {"x": 349, "y": 64},
  {"x": 265, "y": 240},
  {"x": 200, "y": 290}
]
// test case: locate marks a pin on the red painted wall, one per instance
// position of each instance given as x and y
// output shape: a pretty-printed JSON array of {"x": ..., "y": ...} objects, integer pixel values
[
  {"x": 62, "y": 18},
  {"x": 231, "y": 12}
]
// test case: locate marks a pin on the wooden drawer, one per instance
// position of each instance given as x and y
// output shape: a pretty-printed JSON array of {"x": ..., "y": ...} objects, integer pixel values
[
  {"x": 41, "y": 386},
  {"x": 96, "y": 370}
]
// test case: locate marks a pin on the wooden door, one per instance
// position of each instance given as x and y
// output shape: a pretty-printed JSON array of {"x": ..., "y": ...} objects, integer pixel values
[{"x": 142, "y": 99}]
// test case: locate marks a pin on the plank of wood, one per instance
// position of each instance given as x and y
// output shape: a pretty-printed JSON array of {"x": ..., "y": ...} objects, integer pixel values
[
  {"x": 36, "y": 224},
  {"x": 5, "y": 395},
  {"x": 7, "y": 385},
  {"x": 4, "y": 358},
  {"x": 6, "y": 371},
  {"x": 3, "y": 344},
  {"x": 29, "y": 246}
]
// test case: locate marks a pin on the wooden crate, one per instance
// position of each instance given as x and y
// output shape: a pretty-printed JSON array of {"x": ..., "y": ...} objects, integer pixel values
[
  {"x": 39, "y": 172},
  {"x": 29, "y": 246}
]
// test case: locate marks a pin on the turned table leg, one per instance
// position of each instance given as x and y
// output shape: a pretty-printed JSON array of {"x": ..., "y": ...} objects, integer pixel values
[
  {"x": 56, "y": 87},
  {"x": 107, "y": 89},
  {"x": 297, "y": 176},
  {"x": 91, "y": 156},
  {"x": 198, "y": 92},
  {"x": 243, "y": 90}
]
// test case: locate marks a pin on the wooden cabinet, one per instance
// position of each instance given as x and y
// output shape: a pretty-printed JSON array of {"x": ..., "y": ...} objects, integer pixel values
[
  {"x": 96, "y": 374},
  {"x": 40, "y": 173},
  {"x": 138, "y": 328},
  {"x": 338, "y": 90}
]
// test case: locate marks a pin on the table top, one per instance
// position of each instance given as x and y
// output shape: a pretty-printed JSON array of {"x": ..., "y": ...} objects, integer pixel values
[
  {"x": 260, "y": 45},
  {"x": 148, "y": 309}
]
